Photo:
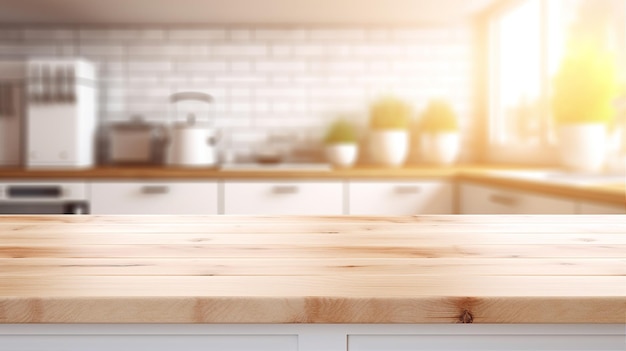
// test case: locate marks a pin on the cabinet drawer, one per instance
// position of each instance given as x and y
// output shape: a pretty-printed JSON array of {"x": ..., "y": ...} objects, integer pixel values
[
  {"x": 288, "y": 197},
  {"x": 599, "y": 208},
  {"x": 484, "y": 342},
  {"x": 477, "y": 199},
  {"x": 400, "y": 198},
  {"x": 154, "y": 198},
  {"x": 150, "y": 342}
]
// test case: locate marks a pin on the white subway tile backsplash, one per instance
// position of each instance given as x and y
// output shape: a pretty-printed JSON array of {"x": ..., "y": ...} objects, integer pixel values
[
  {"x": 335, "y": 79},
  {"x": 281, "y": 106},
  {"x": 334, "y": 92},
  {"x": 207, "y": 34},
  {"x": 168, "y": 50},
  {"x": 378, "y": 66},
  {"x": 308, "y": 78},
  {"x": 101, "y": 50},
  {"x": 241, "y": 107},
  {"x": 340, "y": 50},
  {"x": 337, "y": 34},
  {"x": 49, "y": 34},
  {"x": 153, "y": 66},
  {"x": 13, "y": 50},
  {"x": 10, "y": 34},
  {"x": 107, "y": 34},
  {"x": 150, "y": 34},
  {"x": 261, "y": 106},
  {"x": 281, "y": 66},
  {"x": 309, "y": 50},
  {"x": 380, "y": 50},
  {"x": 240, "y": 66},
  {"x": 67, "y": 50},
  {"x": 280, "y": 34},
  {"x": 240, "y": 93},
  {"x": 280, "y": 80},
  {"x": 346, "y": 66},
  {"x": 233, "y": 121},
  {"x": 281, "y": 93},
  {"x": 379, "y": 34},
  {"x": 239, "y": 50},
  {"x": 115, "y": 106},
  {"x": 201, "y": 66},
  {"x": 240, "y": 34},
  {"x": 281, "y": 50},
  {"x": 264, "y": 78},
  {"x": 241, "y": 79},
  {"x": 143, "y": 79}
]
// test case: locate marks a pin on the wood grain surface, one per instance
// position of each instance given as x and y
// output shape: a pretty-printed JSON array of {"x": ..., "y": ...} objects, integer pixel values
[{"x": 263, "y": 269}]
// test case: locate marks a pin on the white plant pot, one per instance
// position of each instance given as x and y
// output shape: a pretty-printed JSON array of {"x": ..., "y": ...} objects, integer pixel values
[
  {"x": 582, "y": 147},
  {"x": 342, "y": 155},
  {"x": 440, "y": 148},
  {"x": 389, "y": 147}
]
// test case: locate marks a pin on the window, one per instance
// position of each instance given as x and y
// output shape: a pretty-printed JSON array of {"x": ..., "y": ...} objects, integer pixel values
[
  {"x": 516, "y": 75},
  {"x": 527, "y": 43}
]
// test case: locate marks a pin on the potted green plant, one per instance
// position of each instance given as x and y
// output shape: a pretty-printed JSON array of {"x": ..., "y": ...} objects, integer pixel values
[
  {"x": 341, "y": 144},
  {"x": 390, "y": 118},
  {"x": 439, "y": 133},
  {"x": 585, "y": 88}
]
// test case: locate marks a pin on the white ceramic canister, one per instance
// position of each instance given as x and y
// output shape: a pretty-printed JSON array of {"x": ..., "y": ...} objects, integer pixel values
[
  {"x": 342, "y": 155},
  {"x": 389, "y": 147},
  {"x": 583, "y": 146},
  {"x": 440, "y": 148}
]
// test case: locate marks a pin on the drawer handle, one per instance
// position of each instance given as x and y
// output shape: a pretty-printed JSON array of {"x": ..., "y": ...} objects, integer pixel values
[
  {"x": 407, "y": 189},
  {"x": 285, "y": 189},
  {"x": 155, "y": 189},
  {"x": 503, "y": 200}
]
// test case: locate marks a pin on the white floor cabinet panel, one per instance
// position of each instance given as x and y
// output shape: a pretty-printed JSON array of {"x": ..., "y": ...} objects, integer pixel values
[
  {"x": 599, "y": 208},
  {"x": 483, "y": 342},
  {"x": 151, "y": 343},
  {"x": 154, "y": 198},
  {"x": 283, "y": 198},
  {"x": 312, "y": 337},
  {"x": 400, "y": 198},
  {"x": 480, "y": 199}
]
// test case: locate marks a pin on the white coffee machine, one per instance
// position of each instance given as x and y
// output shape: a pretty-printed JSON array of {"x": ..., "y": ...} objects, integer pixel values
[{"x": 61, "y": 113}]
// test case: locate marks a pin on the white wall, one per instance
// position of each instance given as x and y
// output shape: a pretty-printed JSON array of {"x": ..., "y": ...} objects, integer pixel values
[{"x": 264, "y": 78}]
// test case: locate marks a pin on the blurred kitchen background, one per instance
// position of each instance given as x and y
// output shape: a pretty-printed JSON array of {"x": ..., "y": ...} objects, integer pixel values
[
  {"x": 292, "y": 67},
  {"x": 212, "y": 83}
]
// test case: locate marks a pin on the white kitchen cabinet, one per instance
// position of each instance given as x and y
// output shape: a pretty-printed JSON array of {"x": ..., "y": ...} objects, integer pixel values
[
  {"x": 283, "y": 198},
  {"x": 482, "y": 342},
  {"x": 152, "y": 343},
  {"x": 312, "y": 337},
  {"x": 400, "y": 198},
  {"x": 153, "y": 197},
  {"x": 480, "y": 199},
  {"x": 600, "y": 208}
]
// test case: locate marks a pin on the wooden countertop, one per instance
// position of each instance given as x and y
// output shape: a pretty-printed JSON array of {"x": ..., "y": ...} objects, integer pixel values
[
  {"x": 115, "y": 173},
  {"x": 235, "y": 269},
  {"x": 608, "y": 193}
]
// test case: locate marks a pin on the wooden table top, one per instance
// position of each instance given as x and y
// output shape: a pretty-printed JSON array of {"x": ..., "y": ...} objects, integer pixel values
[{"x": 243, "y": 269}]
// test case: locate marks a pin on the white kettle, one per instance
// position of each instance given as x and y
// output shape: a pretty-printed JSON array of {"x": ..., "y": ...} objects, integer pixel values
[{"x": 192, "y": 144}]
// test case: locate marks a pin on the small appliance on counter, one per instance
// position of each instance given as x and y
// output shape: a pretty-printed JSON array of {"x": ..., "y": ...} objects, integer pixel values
[
  {"x": 61, "y": 113},
  {"x": 136, "y": 142},
  {"x": 12, "y": 76},
  {"x": 192, "y": 143}
]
